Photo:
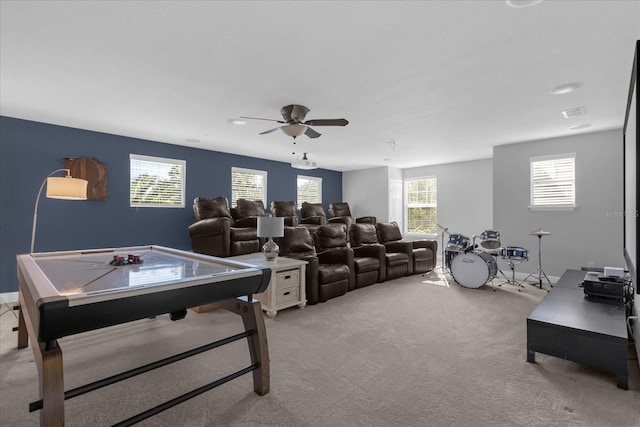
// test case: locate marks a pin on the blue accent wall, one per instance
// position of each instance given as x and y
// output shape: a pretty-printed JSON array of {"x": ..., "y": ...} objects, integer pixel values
[{"x": 29, "y": 151}]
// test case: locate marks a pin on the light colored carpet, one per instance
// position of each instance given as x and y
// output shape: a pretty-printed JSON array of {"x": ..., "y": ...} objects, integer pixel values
[{"x": 410, "y": 352}]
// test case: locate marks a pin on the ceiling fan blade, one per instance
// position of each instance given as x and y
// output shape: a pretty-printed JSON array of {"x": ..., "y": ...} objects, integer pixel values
[
  {"x": 259, "y": 118},
  {"x": 311, "y": 133},
  {"x": 327, "y": 122},
  {"x": 269, "y": 131}
]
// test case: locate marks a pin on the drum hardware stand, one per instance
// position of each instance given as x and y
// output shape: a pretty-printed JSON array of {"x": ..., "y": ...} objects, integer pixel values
[
  {"x": 512, "y": 281},
  {"x": 538, "y": 271},
  {"x": 495, "y": 255},
  {"x": 444, "y": 230}
]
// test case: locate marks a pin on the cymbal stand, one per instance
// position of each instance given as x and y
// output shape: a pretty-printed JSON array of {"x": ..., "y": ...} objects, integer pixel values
[
  {"x": 538, "y": 271},
  {"x": 443, "y": 267}
]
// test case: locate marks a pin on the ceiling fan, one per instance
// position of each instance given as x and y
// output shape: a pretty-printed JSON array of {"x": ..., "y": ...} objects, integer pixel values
[{"x": 294, "y": 124}]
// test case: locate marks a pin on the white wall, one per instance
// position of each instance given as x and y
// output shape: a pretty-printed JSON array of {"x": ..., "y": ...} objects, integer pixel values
[
  {"x": 579, "y": 236},
  {"x": 367, "y": 192},
  {"x": 465, "y": 195}
]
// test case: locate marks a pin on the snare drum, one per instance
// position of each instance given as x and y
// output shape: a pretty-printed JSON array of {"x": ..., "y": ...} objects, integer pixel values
[
  {"x": 490, "y": 239},
  {"x": 458, "y": 242},
  {"x": 514, "y": 252},
  {"x": 473, "y": 270}
]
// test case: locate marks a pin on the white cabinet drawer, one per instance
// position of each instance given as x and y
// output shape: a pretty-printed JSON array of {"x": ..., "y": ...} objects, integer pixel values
[
  {"x": 286, "y": 296},
  {"x": 287, "y": 279}
]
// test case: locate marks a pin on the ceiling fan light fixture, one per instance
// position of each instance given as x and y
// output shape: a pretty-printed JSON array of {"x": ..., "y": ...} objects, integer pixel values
[
  {"x": 294, "y": 129},
  {"x": 304, "y": 163},
  {"x": 522, "y": 3}
]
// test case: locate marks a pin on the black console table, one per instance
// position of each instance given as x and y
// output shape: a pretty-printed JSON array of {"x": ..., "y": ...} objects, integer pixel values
[{"x": 568, "y": 325}]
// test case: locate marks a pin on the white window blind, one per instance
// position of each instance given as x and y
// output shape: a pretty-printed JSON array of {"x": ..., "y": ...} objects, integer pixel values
[
  {"x": 422, "y": 205},
  {"x": 553, "y": 181},
  {"x": 309, "y": 190},
  {"x": 156, "y": 182},
  {"x": 248, "y": 184}
]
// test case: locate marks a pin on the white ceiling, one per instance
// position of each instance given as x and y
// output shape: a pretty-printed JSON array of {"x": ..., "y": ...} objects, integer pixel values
[{"x": 446, "y": 80}]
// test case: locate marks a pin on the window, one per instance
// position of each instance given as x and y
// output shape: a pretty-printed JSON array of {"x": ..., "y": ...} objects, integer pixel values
[
  {"x": 422, "y": 205},
  {"x": 156, "y": 182},
  {"x": 309, "y": 190},
  {"x": 248, "y": 184},
  {"x": 553, "y": 182}
]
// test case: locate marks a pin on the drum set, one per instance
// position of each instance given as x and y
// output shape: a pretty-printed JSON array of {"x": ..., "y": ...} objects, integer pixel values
[{"x": 473, "y": 268}]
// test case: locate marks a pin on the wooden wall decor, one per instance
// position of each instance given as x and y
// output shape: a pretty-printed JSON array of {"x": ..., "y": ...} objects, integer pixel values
[{"x": 93, "y": 171}]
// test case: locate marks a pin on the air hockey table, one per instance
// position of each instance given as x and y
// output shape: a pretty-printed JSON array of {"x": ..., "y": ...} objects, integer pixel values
[{"x": 70, "y": 292}]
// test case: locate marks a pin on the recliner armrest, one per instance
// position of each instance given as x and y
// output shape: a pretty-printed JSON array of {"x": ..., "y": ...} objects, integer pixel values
[
  {"x": 366, "y": 220},
  {"x": 211, "y": 236},
  {"x": 374, "y": 250},
  {"x": 336, "y": 256},
  {"x": 315, "y": 220},
  {"x": 209, "y": 226},
  {"x": 428, "y": 244},
  {"x": 248, "y": 222}
]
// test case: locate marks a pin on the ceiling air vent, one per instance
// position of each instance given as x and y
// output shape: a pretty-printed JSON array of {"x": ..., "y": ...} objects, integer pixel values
[{"x": 573, "y": 112}]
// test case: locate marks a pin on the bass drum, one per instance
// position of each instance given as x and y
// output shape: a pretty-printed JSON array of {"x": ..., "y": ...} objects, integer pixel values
[{"x": 473, "y": 270}]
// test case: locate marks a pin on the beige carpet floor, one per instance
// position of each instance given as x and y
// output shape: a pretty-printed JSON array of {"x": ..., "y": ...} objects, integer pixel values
[{"x": 411, "y": 352}]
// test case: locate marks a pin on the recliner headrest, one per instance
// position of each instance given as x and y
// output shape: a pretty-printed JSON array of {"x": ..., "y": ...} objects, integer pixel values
[
  {"x": 363, "y": 234},
  {"x": 296, "y": 240},
  {"x": 330, "y": 236},
  {"x": 388, "y": 232},
  {"x": 312, "y": 209},
  {"x": 283, "y": 208},
  {"x": 248, "y": 208},
  {"x": 204, "y": 208},
  {"x": 339, "y": 209}
]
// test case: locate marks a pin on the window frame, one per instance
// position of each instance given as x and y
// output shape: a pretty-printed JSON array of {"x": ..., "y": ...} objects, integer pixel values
[
  {"x": 262, "y": 173},
  {"x": 310, "y": 178},
  {"x": 406, "y": 205},
  {"x": 165, "y": 160},
  {"x": 557, "y": 206}
]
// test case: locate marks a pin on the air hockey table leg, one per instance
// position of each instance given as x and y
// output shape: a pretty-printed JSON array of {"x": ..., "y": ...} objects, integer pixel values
[{"x": 253, "y": 320}]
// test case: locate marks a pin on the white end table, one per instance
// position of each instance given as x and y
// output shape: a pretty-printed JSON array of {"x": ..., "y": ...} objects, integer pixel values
[{"x": 287, "y": 285}]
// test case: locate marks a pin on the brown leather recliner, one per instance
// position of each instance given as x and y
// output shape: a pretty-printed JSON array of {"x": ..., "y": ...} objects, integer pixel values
[
  {"x": 341, "y": 209},
  {"x": 399, "y": 253},
  {"x": 423, "y": 252},
  {"x": 215, "y": 233},
  {"x": 327, "y": 274},
  {"x": 331, "y": 246},
  {"x": 287, "y": 210},
  {"x": 369, "y": 259}
]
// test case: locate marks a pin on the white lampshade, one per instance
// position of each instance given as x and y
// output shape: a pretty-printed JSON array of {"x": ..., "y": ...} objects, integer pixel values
[
  {"x": 66, "y": 188},
  {"x": 269, "y": 226},
  {"x": 294, "y": 129}
]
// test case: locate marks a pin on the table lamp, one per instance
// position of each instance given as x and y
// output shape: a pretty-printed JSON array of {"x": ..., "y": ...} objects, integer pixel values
[
  {"x": 66, "y": 188},
  {"x": 270, "y": 227}
]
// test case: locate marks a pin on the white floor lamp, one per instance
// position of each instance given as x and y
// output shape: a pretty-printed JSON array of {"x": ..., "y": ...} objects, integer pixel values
[{"x": 66, "y": 188}]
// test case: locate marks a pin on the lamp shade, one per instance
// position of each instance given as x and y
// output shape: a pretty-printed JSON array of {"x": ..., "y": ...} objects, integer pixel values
[
  {"x": 66, "y": 188},
  {"x": 294, "y": 129},
  {"x": 269, "y": 226}
]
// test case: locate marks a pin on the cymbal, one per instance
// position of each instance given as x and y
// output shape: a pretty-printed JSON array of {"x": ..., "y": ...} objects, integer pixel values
[{"x": 539, "y": 232}]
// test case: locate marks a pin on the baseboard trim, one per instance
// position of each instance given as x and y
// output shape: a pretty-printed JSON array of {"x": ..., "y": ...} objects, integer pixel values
[{"x": 9, "y": 297}]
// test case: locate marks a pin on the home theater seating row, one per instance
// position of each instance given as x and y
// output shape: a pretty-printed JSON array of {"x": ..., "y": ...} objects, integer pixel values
[{"x": 343, "y": 253}]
